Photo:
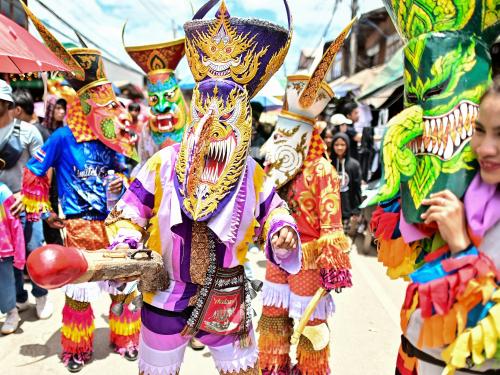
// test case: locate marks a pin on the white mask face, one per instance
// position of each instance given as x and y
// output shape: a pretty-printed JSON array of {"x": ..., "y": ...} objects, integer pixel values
[{"x": 292, "y": 135}]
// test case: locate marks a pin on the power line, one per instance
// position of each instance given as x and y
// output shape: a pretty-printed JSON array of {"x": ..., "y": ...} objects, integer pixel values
[{"x": 327, "y": 27}]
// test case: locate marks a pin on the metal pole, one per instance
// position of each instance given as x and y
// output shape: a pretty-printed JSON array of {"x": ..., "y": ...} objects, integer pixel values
[{"x": 353, "y": 48}]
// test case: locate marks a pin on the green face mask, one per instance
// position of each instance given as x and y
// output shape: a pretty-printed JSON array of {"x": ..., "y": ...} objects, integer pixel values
[
  {"x": 168, "y": 108},
  {"x": 447, "y": 69}
]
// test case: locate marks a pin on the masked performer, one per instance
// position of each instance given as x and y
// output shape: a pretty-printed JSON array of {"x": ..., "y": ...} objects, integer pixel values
[
  {"x": 81, "y": 154},
  {"x": 309, "y": 183},
  {"x": 168, "y": 110},
  {"x": 450, "y": 314},
  {"x": 203, "y": 201}
]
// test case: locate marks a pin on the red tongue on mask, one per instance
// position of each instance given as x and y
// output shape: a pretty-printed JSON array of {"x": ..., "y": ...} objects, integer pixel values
[{"x": 212, "y": 163}]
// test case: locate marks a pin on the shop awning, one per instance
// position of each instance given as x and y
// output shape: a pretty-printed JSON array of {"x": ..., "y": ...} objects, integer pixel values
[
  {"x": 387, "y": 80},
  {"x": 357, "y": 82}
]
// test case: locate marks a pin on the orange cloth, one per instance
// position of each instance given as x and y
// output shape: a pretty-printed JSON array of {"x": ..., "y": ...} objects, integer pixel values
[{"x": 85, "y": 234}]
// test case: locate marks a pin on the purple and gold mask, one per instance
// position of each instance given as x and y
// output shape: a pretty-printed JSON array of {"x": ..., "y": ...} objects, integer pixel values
[
  {"x": 168, "y": 110},
  {"x": 231, "y": 59},
  {"x": 108, "y": 120}
]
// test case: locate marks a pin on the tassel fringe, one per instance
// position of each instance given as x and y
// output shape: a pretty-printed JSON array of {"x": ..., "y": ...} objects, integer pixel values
[
  {"x": 310, "y": 361},
  {"x": 477, "y": 343},
  {"x": 277, "y": 295},
  {"x": 331, "y": 250},
  {"x": 124, "y": 329},
  {"x": 399, "y": 257},
  {"x": 274, "y": 341},
  {"x": 77, "y": 332},
  {"x": 35, "y": 191}
]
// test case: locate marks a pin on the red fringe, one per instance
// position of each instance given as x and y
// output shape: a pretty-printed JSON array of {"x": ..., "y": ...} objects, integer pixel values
[
  {"x": 405, "y": 365},
  {"x": 440, "y": 295},
  {"x": 35, "y": 190},
  {"x": 83, "y": 347},
  {"x": 119, "y": 340},
  {"x": 81, "y": 320},
  {"x": 274, "y": 342},
  {"x": 74, "y": 317},
  {"x": 383, "y": 224},
  {"x": 310, "y": 361}
]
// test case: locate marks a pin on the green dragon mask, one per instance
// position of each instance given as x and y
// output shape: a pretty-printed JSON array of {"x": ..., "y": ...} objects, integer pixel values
[{"x": 447, "y": 69}]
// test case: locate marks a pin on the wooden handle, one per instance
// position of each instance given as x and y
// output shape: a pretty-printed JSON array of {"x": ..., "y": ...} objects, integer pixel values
[{"x": 320, "y": 293}]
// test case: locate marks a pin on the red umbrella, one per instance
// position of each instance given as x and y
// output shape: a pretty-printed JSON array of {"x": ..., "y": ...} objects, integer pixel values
[{"x": 20, "y": 52}]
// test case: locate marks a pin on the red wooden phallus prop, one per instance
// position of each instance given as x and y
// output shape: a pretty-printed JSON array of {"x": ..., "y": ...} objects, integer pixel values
[{"x": 52, "y": 266}]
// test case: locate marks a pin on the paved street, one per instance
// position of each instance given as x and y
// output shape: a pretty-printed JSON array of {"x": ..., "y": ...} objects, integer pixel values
[{"x": 365, "y": 332}]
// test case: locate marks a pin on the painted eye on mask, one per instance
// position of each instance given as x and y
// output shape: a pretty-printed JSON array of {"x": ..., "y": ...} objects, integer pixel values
[
  {"x": 112, "y": 105},
  {"x": 411, "y": 98},
  {"x": 225, "y": 116},
  {"x": 169, "y": 94},
  {"x": 434, "y": 91},
  {"x": 279, "y": 138},
  {"x": 153, "y": 100}
]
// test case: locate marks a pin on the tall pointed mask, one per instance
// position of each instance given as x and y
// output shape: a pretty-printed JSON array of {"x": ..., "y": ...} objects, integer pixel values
[
  {"x": 231, "y": 59},
  {"x": 168, "y": 110},
  {"x": 305, "y": 98},
  {"x": 107, "y": 119}
]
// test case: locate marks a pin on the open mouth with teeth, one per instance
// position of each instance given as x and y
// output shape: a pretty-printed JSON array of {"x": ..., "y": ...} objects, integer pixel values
[
  {"x": 444, "y": 136},
  {"x": 220, "y": 69},
  {"x": 218, "y": 156},
  {"x": 166, "y": 122}
]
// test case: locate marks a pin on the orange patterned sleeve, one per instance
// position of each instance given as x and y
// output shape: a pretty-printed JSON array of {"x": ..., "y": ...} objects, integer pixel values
[{"x": 332, "y": 243}]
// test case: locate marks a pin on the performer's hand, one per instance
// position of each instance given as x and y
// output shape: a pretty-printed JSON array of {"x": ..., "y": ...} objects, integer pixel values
[
  {"x": 54, "y": 221},
  {"x": 116, "y": 185},
  {"x": 449, "y": 214},
  {"x": 18, "y": 206},
  {"x": 286, "y": 239}
]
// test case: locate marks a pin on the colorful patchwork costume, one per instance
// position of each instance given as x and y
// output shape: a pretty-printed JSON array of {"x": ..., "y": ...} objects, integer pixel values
[
  {"x": 201, "y": 202},
  {"x": 81, "y": 154},
  {"x": 450, "y": 317},
  {"x": 168, "y": 110},
  {"x": 308, "y": 182}
]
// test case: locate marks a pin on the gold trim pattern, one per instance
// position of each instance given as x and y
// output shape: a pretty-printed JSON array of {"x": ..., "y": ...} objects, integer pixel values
[
  {"x": 297, "y": 117},
  {"x": 84, "y": 51},
  {"x": 91, "y": 85},
  {"x": 308, "y": 96},
  {"x": 147, "y": 47},
  {"x": 159, "y": 71}
]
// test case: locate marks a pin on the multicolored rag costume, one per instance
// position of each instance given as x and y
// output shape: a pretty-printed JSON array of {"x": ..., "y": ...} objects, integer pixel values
[
  {"x": 308, "y": 182},
  {"x": 81, "y": 154},
  {"x": 449, "y": 314},
  {"x": 201, "y": 202},
  {"x": 168, "y": 110}
]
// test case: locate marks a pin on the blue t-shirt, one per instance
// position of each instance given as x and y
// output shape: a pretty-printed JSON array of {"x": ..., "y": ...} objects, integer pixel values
[{"x": 80, "y": 169}]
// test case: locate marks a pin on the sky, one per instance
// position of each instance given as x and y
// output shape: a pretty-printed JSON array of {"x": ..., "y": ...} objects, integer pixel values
[{"x": 156, "y": 21}]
